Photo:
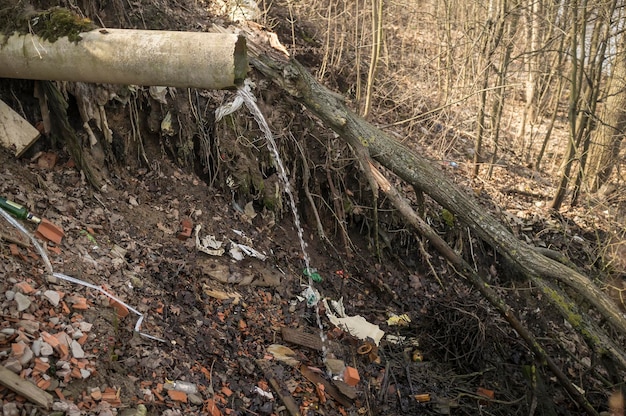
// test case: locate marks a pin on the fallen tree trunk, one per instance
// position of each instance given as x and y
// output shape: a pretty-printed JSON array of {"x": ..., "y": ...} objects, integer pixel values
[
  {"x": 419, "y": 172},
  {"x": 129, "y": 57}
]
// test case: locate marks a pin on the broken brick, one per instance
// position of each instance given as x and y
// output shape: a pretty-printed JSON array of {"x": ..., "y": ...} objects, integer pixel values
[
  {"x": 25, "y": 288},
  {"x": 177, "y": 396},
  {"x": 50, "y": 339},
  {"x": 120, "y": 309},
  {"x": 15, "y": 251},
  {"x": 210, "y": 408},
  {"x": 18, "y": 349},
  {"x": 40, "y": 366},
  {"x": 186, "y": 228},
  {"x": 351, "y": 376}
]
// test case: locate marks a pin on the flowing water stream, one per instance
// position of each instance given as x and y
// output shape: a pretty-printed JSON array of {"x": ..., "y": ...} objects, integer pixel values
[{"x": 250, "y": 102}]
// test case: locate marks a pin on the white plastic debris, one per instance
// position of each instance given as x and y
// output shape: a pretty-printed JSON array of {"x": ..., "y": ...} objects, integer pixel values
[
  {"x": 237, "y": 251},
  {"x": 264, "y": 393},
  {"x": 229, "y": 108},
  {"x": 311, "y": 296},
  {"x": 355, "y": 325},
  {"x": 208, "y": 244}
]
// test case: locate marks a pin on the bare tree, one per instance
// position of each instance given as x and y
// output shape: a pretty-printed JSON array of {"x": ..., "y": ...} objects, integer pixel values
[{"x": 605, "y": 146}]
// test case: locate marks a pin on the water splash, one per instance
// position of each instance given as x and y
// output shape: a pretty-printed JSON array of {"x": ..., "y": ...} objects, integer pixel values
[{"x": 250, "y": 101}]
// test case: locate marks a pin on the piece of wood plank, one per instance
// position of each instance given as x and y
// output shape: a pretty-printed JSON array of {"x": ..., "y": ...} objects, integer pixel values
[
  {"x": 280, "y": 389},
  {"x": 25, "y": 388},
  {"x": 329, "y": 388},
  {"x": 15, "y": 132},
  {"x": 312, "y": 341}
]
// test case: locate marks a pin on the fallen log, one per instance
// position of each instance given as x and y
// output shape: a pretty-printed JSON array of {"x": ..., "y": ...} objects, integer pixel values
[
  {"x": 328, "y": 106},
  {"x": 419, "y": 172}
]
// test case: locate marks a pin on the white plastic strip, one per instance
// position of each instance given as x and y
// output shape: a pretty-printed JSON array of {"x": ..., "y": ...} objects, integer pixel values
[
  {"x": 32, "y": 238},
  {"x": 70, "y": 279}
]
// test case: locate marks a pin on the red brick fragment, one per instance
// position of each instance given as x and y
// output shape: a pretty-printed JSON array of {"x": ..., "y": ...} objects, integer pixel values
[
  {"x": 80, "y": 303},
  {"x": 177, "y": 396},
  {"x": 121, "y": 310},
  {"x": 351, "y": 376},
  {"x": 17, "y": 349},
  {"x": 50, "y": 339},
  {"x": 41, "y": 367},
  {"x": 59, "y": 393},
  {"x": 210, "y": 408},
  {"x": 15, "y": 251},
  {"x": 44, "y": 384},
  {"x": 186, "y": 227},
  {"x": 25, "y": 288}
]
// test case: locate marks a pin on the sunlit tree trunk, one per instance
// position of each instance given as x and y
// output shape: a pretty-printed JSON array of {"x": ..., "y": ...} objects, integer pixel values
[
  {"x": 499, "y": 96},
  {"x": 577, "y": 33},
  {"x": 492, "y": 36},
  {"x": 532, "y": 67},
  {"x": 597, "y": 58},
  {"x": 605, "y": 146}
]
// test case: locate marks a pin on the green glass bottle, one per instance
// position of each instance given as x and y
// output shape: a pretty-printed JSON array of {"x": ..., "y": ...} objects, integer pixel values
[{"x": 18, "y": 211}]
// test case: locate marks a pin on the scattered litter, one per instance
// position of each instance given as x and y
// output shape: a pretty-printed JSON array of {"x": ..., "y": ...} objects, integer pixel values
[
  {"x": 263, "y": 393},
  {"x": 335, "y": 366},
  {"x": 45, "y": 229},
  {"x": 355, "y": 325},
  {"x": 91, "y": 239},
  {"x": 184, "y": 386},
  {"x": 313, "y": 274},
  {"x": 237, "y": 251},
  {"x": 422, "y": 398},
  {"x": 351, "y": 376},
  {"x": 399, "y": 320},
  {"x": 395, "y": 339},
  {"x": 15, "y": 132},
  {"x": 370, "y": 350},
  {"x": 186, "y": 227},
  {"x": 166, "y": 125},
  {"x": 311, "y": 296},
  {"x": 218, "y": 294},
  {"x": 249, "y": 211},
  {"x": 208, "y": 244},
  {"x": 486, "y": 393},
  {"x": 159, "y": 94}
]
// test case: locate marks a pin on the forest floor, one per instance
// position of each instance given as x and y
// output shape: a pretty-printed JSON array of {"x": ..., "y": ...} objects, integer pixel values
[{"x": 238, "y": 329}]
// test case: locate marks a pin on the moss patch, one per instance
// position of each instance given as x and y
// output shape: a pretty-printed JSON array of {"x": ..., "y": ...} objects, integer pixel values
[
  {"x": 57, "y": 22},
  {"x": 50, "y": 24}
]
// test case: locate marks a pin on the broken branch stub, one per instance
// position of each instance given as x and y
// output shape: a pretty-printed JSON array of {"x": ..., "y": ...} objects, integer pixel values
[{"x": 129, "y": 57}]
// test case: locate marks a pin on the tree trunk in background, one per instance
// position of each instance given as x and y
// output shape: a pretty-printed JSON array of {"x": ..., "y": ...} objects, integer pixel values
[
  {"x": 532, "y": 66},
  {"x": 605, "y": 146},
  {"x": 576, "y": 76},
  {"x": 491, "y": 37},
  {"x": 500, "y": 92},
  {"x": 597, "y": 57}
]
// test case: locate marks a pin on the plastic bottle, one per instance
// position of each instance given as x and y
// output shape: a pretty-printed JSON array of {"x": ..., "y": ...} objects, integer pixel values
[{"x": 185, "y": 387}]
